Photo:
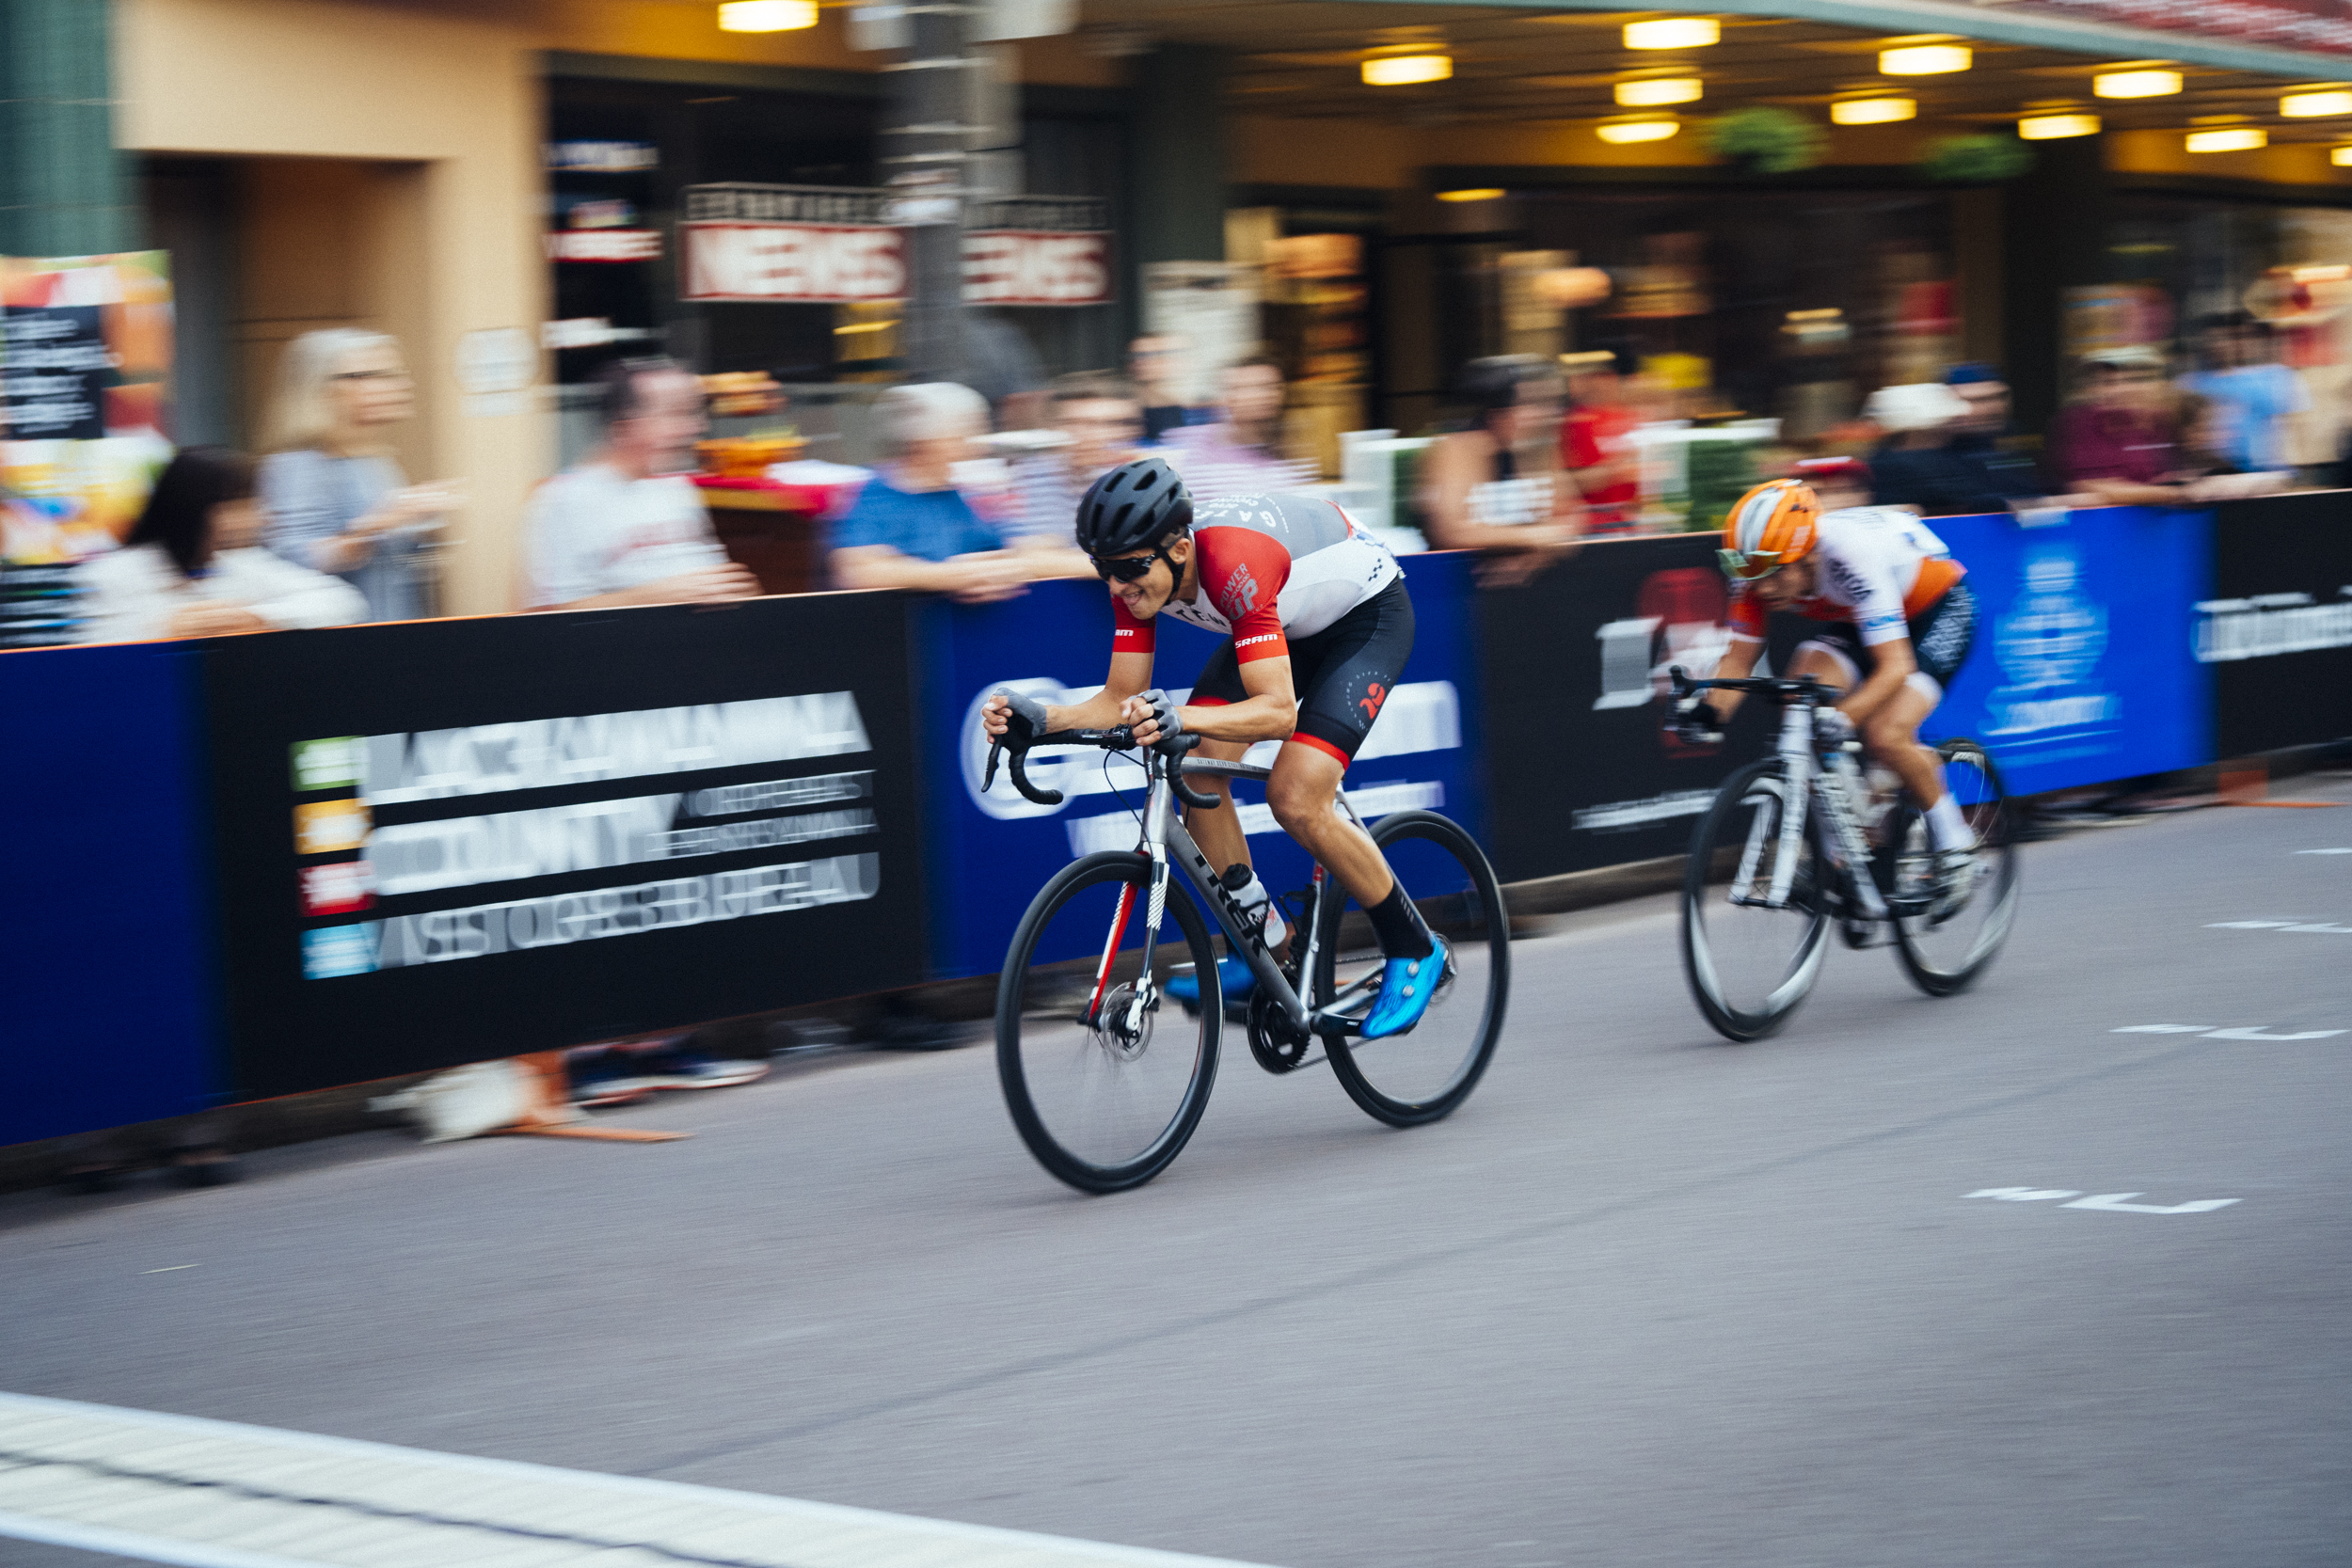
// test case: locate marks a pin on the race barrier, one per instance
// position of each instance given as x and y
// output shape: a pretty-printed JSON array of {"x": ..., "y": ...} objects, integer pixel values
[{"x": 263, "y": 864}]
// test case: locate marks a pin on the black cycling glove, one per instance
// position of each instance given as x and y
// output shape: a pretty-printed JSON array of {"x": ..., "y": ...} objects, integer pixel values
[
  {"x": 1697, "y": 722},
  {"x": 1025, "y": 718},
  {"x": 1164, "y": 713}
]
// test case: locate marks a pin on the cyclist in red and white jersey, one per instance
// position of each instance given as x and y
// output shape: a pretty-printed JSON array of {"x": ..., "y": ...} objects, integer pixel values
[
  {"x": 1320, "y": 627},
  {"x": 1895, "y": 623}
]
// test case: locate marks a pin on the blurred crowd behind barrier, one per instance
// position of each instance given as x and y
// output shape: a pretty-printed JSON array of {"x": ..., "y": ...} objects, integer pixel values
[{"x": 1537, "y": 451}]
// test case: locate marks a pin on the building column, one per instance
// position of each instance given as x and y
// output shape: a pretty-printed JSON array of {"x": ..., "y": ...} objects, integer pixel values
[
  {"x": 64, "y": 189},
  {"x": 1177, "y": 181},
  {"x": 2053, "y": 237}
]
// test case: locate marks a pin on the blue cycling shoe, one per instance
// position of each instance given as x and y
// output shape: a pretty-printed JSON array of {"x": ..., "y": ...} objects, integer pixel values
[
  {"x": 1406, "y": 991},
  {"x": 1232, "y": 976}
]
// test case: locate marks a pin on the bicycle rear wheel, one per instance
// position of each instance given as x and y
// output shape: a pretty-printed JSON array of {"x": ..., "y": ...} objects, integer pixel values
[
  {"x": 1750, "y": 961},
  {"x": 1943, "y": 949},
  {"x": 1105, "y": 1095},
  {"x": 1421, "y": 1075}
]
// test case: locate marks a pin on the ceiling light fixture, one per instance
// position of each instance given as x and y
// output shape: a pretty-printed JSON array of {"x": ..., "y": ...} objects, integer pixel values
[
  {"x": 2244, "y": 138},
  {"x": 2057, "y": 127},
  {"x": 2135, "y": 84},
  {"x": 766, "y": 16},
  {"x": 1674, "y": 32},
  {"x": 1657, "y": 91},
  {"x": 1405, "y": 71},
  {"x": 1872, "y": 111},
  {"x": 2306, "y": 105},
  {"x": 1623, "y": 131},
  {"x": 2340, "y": 156},
  {"x": 1483, "y": 193},
  {"x": 1925, "y": 59}
]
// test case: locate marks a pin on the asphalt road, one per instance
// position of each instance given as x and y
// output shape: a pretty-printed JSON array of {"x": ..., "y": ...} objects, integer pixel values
[{"x": 1649, "y": 1298}]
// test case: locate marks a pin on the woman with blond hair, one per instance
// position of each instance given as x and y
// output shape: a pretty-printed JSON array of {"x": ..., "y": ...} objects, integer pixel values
[{"x": 337, "y": 500}]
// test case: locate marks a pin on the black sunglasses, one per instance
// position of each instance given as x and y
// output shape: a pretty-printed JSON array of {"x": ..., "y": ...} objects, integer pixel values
[{"x": 1129, "y": 568}]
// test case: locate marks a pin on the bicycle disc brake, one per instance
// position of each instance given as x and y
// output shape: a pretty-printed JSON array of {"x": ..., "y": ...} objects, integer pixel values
[
  {"x": 1112, "y": 1030},
  {"x": 1280, "y": 1046}
]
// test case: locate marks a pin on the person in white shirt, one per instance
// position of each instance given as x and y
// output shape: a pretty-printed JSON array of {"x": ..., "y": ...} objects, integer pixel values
[
  {"x": 627, "y": 527},
  {"x": 193, "y": 565}
]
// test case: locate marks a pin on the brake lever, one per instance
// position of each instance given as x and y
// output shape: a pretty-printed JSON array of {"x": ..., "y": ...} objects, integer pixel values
[
  {"x": 988, "y": 778},
  {"x": 1681, "y": 679}
]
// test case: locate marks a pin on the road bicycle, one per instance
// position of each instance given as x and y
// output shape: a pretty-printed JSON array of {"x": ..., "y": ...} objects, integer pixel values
[
  {"x": 1801, "y": 839},
  {"x": 1106, "y": 1084}
]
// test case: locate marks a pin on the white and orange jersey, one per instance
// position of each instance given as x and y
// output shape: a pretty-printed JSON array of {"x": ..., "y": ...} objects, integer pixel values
[
  {"x": 1876, "y": 566},
  {"x": 1272, "y": 567}
]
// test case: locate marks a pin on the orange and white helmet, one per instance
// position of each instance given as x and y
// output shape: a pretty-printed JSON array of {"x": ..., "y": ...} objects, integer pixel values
[{"x": 1769, "y": 527}]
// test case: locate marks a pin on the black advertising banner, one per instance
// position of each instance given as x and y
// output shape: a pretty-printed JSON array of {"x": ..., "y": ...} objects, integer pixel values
[
  {"x": 1581, "y": 770},
  {"x": 2277, "y": 631},
  {"x": 451, "y": 841},
  {"x": 56, "y": 366}
]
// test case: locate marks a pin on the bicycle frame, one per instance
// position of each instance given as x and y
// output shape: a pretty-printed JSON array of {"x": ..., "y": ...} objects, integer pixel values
[{"x": 1168, "y": 845}]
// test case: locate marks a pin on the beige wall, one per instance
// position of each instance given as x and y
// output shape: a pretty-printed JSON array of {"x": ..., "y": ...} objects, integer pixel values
[{"x": 428, "y": 227}]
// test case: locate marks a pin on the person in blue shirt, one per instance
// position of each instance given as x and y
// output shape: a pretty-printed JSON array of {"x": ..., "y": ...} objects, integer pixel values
[
  {"x": 910, "y": 527},
  {"x": 2254, "y": 397}
]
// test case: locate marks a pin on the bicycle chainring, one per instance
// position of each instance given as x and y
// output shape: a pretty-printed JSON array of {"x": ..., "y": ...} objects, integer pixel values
[{"x": 1280, "y": 1046}]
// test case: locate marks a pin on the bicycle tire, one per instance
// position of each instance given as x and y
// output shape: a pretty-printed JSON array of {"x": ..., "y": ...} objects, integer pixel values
[
  {"x": 1995, "y": 826},
  {"x": 1700, "y": 967},
  {"x": 1470, "y": 915},
  {"x": 1022, "y": 981}
]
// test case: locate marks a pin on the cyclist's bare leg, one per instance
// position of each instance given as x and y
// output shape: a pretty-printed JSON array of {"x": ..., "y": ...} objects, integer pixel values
[
  {"x": 1218, "y": 832},
  {"x": 1305, "y": 783},
  {"x": 1891, "y": 738}
]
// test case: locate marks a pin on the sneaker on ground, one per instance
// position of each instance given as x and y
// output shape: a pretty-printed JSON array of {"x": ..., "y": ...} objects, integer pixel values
[
  {"x": 1407, "y": 987},
  {"x": 1232, "y": 976},
  {"x": 622, "y": 1075}
]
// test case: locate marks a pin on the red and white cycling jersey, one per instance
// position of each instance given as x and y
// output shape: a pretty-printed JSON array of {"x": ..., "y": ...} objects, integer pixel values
[
  {"x": 1876, "y": 566},
  {"x": 1272, "y": 568}
]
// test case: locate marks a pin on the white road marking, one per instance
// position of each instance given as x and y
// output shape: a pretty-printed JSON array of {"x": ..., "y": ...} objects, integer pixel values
[
  {"x": 2247, "y": 1032},
  {"x": 2112, "y": 1202},
  {"x": 173, "y": 1269},
  {"x": 205, "y": 1493},
  {"x": 2343, "y": 851},
  {"x": 2328, "y": 927}
]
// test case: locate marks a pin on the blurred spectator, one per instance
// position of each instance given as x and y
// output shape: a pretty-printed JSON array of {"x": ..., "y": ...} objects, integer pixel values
[
  {"x": 1156, "y": 364},
  {"x": 1100, "y": 421},
  {"x": 910, "y": 527},
  {"x": 625, "y": 525},
  {"x": 2255, "y": 398},
  {"x": 2206, "y": 471},
  {"x": 1838, "y": 482},
  {"x": 193, "y": 565},
  {"x": 336, "y": 498},
  {"x": 1241, "y": 453},
  {"x": 1004, "y": 369},
  {"x": 1496, "y": 485},
  {"x": 2120, "y": 444},
  {"x": 1596, "y": 443},
  {"x": 1966, "y": 467}
]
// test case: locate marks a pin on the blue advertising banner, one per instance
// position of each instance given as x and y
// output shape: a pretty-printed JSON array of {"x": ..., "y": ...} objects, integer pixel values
[
  {"x": 2085, "y": 667},
  {"x": 991, "y": 852}
]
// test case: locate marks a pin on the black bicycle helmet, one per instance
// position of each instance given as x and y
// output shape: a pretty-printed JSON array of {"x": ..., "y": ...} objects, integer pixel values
[{"x": 1133, "y": 507}]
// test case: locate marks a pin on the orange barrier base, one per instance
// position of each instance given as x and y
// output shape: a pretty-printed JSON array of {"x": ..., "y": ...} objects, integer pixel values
[{"x": 2248, "y": 784}]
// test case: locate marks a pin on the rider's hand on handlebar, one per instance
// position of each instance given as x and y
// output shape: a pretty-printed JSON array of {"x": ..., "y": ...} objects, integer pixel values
[
  {"x": 1832, "y": 727},
  {"x": 1011, "y": 714},
  {"x": 1154, "y": 715},
  {"x": 1697, "y": 722}
]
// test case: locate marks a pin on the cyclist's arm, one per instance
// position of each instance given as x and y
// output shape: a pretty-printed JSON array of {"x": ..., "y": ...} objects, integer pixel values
[
  {"x": 1130, "y": 673},
  {"x": 1738, "y": 663},
  {"x": 1269, "y": 712}
]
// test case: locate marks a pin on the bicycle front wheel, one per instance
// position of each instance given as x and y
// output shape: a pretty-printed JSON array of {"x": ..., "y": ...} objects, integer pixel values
[
  {"x": 1422, "y": 1074},
  {"x": 1105, "y": 1092},
  {"x": 1753, "y": 929},
  {"x": 1946, "y": 943}
]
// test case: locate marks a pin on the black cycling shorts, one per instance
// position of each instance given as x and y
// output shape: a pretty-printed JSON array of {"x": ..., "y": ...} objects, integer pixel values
[
  {"x": 1341, "y": 674},
  {"x": 1941, "y": 635}
]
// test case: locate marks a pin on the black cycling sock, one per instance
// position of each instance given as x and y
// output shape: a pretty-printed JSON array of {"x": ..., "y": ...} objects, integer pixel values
[{"x": 1398, "y": 925}]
